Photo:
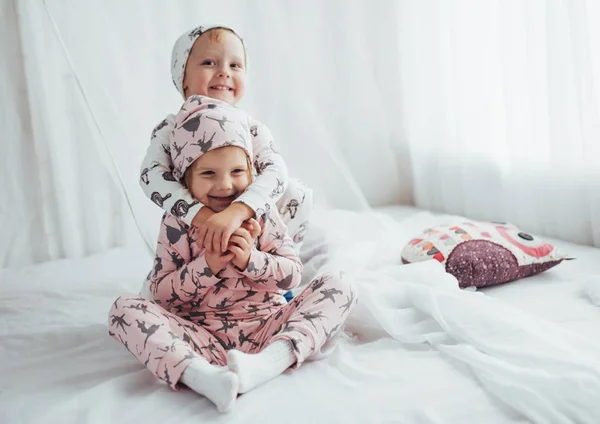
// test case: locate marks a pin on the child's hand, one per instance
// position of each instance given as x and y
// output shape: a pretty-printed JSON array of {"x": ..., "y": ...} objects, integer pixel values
[
  {"x": 214, "y": 234},
  {"x": 253, "y": 227},
  {"x": 241, "y": 243},
  {"x": 217, "y": 261}
]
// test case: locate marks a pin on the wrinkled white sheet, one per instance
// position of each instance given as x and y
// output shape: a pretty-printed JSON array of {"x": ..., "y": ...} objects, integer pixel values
[{"x": 420, "y": 350}]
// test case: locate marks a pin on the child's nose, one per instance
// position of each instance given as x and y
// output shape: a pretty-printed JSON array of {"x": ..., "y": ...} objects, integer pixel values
[
  {"x": 224, "y": 71},
  {"x": 225, "y": 183}
]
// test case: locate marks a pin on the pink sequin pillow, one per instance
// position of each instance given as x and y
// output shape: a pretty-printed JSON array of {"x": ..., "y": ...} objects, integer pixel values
[{"x": 482, "y": 254}]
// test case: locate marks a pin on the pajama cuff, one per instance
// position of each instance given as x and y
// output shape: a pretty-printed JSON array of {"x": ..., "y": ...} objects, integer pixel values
[
  {"x": 191, "y": 214},
  {"x": 254, "y": 270},
  {"x": 201, "y": 265},
  {"x": 303, "y": 352},
  {"x": 247, "y": 200},
  {"x": 173, "y": 375}
]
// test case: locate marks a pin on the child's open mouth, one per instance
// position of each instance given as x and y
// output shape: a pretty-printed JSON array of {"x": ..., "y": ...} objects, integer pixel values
[
  {"x": 223, "y": 199},
  {"x": 221, "y": 88}
]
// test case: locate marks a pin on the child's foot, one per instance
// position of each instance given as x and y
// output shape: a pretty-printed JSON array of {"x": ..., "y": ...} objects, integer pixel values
[
  {"x": 216, "y": 383},
  {"x": 255, "y": 369}
]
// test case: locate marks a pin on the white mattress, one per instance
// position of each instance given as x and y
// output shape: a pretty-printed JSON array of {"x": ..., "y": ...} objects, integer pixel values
[{"x": 58, "y": 364}]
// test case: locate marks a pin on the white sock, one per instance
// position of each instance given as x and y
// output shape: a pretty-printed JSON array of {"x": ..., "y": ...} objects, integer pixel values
[
  {"x": 214, "y": 382},
  {"x": 258, "y": 368}
]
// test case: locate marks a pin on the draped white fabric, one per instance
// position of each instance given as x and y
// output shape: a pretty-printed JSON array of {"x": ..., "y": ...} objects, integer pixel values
[
  {"x": 480, "y": 108},
  {"x": 500, "y": 105},
  {"x": 59, "y": 197}
]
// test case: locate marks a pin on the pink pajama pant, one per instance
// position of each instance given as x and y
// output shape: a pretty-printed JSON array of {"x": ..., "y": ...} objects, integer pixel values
[{"x": 166, "y": 343}]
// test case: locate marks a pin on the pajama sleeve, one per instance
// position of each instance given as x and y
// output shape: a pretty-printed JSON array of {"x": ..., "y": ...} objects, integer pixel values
[
  {"x": 177, "y": 278},
  {"x": 272, "y": 174},
  {"x": 156, "y": 176},
  {"x": 274, "y": 263}
]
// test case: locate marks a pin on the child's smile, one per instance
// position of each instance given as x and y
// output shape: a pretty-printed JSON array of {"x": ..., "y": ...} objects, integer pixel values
[
  {"x": 219, "y": 176},
  {"x": 216, "y": 67}
]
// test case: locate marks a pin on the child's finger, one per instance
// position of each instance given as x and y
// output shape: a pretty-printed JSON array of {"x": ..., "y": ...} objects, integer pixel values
[
  {"x": 226, "y": 258},
  {"x": 235, "y": 240},
  {"x": 234, "y": 244},
  {"x": 216, "y": 241},
  {"x": 243, "y": 233},
  {"x": 256, "y": 228},
  {"x": 208, "y": 241},
  {"x": 253, "y": 224},
  {"x": 225, "y": 239},
  {"x": 252, "y": 230},
  {"x": 211, "y": 242},
  {"x": 238, "y": 241},
  {"x": 237, "y": 251},
  {"x": 201, "y": 232}
]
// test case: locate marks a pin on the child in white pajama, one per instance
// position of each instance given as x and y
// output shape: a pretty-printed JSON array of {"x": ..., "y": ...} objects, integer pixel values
[
  {"x": 219, "y": 322},
  {"x": 211, "y": 61}
]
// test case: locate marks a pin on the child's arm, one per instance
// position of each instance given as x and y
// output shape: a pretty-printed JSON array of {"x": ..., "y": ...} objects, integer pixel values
[
  {"x": 276, "y": 265},
  {"x": 272, "y": 180},
  {"x": 157, "y": 179},
  {"x": 177, "y": 278},
  {"x": 266, "y": 189}
]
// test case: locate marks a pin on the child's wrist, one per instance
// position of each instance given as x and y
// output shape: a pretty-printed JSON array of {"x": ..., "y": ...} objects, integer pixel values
[
  {"x": 242, "y": 210},
  {"x": 213, "y": 269},
  {"x": 244, "y": 264},
  {"x": 247, "y": 261},
  {"x": 202, "y": 216}
]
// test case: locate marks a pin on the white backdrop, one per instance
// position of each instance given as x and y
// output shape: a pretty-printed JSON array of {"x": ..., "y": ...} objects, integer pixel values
[{"x": 482, "y": 108}]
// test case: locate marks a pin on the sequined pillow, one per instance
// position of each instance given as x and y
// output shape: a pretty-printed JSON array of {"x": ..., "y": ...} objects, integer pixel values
[{"x": 482, "y": 254}]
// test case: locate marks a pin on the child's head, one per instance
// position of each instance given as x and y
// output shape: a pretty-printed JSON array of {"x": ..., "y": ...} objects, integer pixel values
[
  {"x": 210, "y": 61},
  {"x": 211, "y": 150}
]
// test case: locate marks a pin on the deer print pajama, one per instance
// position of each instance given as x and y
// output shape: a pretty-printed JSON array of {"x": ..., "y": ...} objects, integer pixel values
[
  {"x": 293, "y": 199},
  {"x": 198, "y": 314}
]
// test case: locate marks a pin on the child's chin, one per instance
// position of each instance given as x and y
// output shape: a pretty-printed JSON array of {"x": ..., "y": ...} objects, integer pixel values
[
  {"x": 220, "y": 207},
  {"x": 226, "y": 97}
]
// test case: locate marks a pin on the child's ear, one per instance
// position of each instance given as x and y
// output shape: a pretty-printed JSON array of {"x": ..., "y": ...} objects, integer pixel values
[
  {"x": 185, "y": 181},
  {"x": 250, "y": 168}
]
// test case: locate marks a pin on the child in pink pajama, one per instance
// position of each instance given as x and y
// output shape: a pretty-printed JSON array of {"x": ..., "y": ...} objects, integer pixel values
[
  {"x": 211, "y": 61},
  {"x": 219, "y": 322}
]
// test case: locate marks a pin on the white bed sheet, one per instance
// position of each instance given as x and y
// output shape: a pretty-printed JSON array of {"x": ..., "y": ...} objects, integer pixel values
[
  {"x": 58, "y": 364},
  {"x": 557, "y": 295}
]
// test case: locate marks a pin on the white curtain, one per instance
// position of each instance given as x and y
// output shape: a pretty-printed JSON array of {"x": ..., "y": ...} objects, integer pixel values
[
  {"x": 59, "y": 198},
  {"x": 482, "y": 108},
  {"x": 500, "y": 106}
]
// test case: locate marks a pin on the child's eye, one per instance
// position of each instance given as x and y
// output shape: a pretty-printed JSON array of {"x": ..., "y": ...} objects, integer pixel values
[
  {"x": 207, "y": 173},
  {"x": 238, "y": 171},
  {"x": 236, "y": 65},
  {"x": 208, "y": 62}
]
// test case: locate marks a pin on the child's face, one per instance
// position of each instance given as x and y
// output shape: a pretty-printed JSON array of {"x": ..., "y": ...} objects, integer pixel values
[
  {"x": 216, "y": 69},
  {"x": 219, "y": 176}
]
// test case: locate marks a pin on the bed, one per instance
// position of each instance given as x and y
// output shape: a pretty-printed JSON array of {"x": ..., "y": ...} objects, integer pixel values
[{"x": 417, "y": 350}]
